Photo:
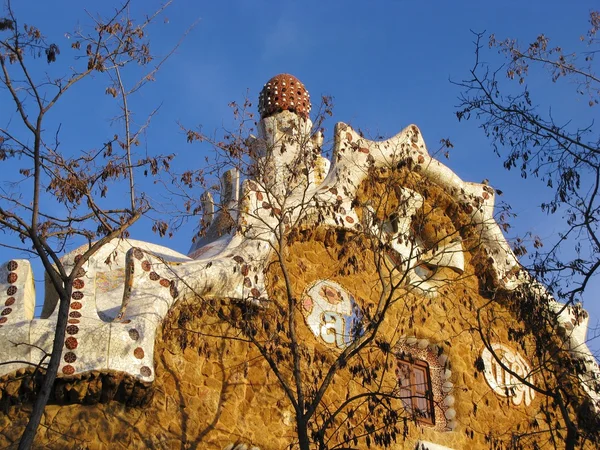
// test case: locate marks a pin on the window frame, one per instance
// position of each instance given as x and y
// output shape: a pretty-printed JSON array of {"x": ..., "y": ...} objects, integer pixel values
[{"x": 411, "y": 403}]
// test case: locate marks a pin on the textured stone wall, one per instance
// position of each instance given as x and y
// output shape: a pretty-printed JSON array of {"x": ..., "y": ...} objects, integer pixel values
[{"x": 212, "y": 388}]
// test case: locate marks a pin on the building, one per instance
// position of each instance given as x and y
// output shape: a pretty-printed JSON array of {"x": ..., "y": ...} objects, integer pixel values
[{"x": 366, "y": 300}]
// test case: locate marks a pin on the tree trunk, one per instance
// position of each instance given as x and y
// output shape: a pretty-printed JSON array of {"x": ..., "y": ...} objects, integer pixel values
[
  {"x": 303, "y": 440},
  {"x": 46, "y": 389}
]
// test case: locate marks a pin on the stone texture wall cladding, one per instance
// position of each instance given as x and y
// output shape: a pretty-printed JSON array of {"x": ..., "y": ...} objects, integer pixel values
[{"x": 212, "y": 390}]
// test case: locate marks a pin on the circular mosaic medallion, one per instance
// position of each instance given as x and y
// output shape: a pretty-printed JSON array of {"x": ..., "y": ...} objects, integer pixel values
[
  {"x": 12, "y": 265},
  {"x": 139, "y": 353},
  {"x": 503, "y": 382},
  {"x": 134, "y": 334},
  {"x": 70, "y": 357},
  {"x": 71, "y": 343},
  {"x": 331, "y": 313}
]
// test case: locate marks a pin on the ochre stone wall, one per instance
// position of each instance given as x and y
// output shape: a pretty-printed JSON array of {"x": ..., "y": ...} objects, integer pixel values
[{"x": 213, "y": 388}]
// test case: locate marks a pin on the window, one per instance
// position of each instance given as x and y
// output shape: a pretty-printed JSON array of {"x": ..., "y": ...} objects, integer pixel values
[{"x": 414, "y": 382}]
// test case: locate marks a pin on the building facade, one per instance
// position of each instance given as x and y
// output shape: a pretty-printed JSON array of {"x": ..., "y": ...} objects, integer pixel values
[{"x": 366, "y": 300}]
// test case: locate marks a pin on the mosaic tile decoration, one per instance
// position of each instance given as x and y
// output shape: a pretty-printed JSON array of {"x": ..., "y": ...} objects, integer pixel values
[
  {"x": 503, "y": 382},
  {"x": 332, "y": 313}
]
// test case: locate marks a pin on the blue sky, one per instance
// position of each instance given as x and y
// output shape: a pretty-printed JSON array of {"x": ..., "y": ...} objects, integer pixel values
[{"x": 386, "y": 63}]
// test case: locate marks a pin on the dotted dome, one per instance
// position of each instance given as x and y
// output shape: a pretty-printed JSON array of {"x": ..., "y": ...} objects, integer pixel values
[{"x": 284, "y": 92}]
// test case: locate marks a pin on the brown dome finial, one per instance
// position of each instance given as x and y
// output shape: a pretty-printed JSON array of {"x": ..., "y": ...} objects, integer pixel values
[{"x": 284, "y": 92}]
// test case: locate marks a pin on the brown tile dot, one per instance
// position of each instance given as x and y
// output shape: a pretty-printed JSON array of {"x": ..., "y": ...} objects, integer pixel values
[
  {"x": 12, "y": 290},
  {"x": 71, "y": 343},
  {"x": 68, "y": 370},
  {"x": 70, "y": 357},
  {"x": 138, "y": 353},
  {"x": 3, "y": 319},
  {"x": 78, "y": 283},
  {"x": 165, "y": 283},
  {"x": 146, "y": 266},
  {"x": 349, "y": 219},
  {"x": 134, "y": 334},
  {"x": 6, "y": 311},
  {"x": 247, "y": 282},
  {"x": 73, "y": 320},
  {"x": 12, "y": 265},
  {"x": 80, "y": 272},
  {"x": 245, "y": 270},
  {"x": 75, "y": 314},
  {"x": 154, "y": 276},
  {"x": 266, "y": 205},
  {"x": 145, "y": 371},
  {"x": 76, "y": 305},
  {"x": 259, "y": 196},
  {"x": 77, "y": 295},
  {"x": 9, "y": 301},
  {"x": 138, "y": 253},
  {"x": 72, "y": 329},
  {"x": 255, "y": 292},
  {"x": 12, "y": 277}
]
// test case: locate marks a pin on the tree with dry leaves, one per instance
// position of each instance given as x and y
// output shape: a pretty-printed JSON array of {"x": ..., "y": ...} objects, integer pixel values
[
  {"x": 564, "y": 154},
  {"x": 62, "y": 198}
]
